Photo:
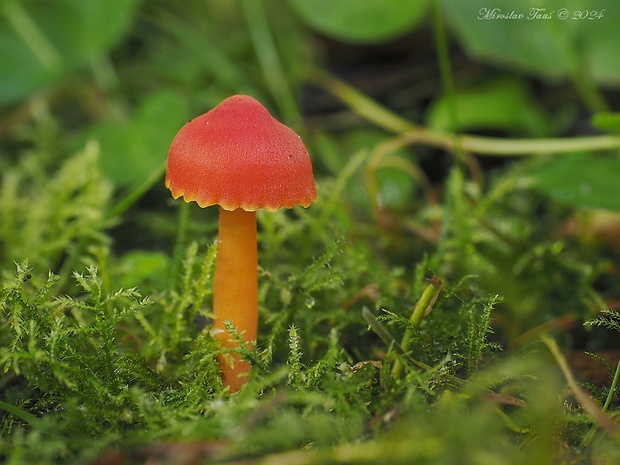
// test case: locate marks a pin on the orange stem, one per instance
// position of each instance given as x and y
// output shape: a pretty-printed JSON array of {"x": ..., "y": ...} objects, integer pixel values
[{"x": 235, "y": 295}]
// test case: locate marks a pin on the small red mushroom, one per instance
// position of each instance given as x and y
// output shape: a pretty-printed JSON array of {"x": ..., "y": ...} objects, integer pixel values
[{"x": 239, "y": 157}]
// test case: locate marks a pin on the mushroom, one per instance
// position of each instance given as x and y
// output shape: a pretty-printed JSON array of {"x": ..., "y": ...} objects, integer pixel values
[{"x": 241, "y": 158}]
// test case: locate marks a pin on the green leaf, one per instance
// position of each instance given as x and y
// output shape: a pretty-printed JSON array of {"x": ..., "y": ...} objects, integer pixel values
[
  {"x": 395, "y": 175},
  {"x": 130, "y": 151},
  {"x": 138, "y": 267},
  {"x": 581, "y": 180},
  {"x": 502, "y": 104},
  {"x": 605, "y": 121},
  {"x": 40, "y": 43},
  {"x": 358, "y": 21},
  {"x": 547, "y": 46},
  {"x": 396, "y": 187}
]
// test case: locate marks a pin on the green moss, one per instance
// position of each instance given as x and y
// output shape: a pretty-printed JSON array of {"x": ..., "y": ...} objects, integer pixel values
[{"x": 104, "y": 366}]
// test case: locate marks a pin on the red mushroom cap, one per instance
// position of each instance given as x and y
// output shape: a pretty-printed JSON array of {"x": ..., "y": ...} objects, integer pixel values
[{"x": 239, "y": 156}]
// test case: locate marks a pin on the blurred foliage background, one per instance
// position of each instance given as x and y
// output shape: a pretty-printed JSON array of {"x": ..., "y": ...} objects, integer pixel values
[{"x": 446, "y": 139}]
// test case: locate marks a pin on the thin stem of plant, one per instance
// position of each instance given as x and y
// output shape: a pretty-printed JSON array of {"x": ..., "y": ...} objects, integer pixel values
[
  {"x": 422, "y": 308},
  {"x": 32, "y": 35},
  {"x": 409, "y": 133},
  {"x": 598, "y": 416},
  {"x": 610, "y": 395},
  {"x": 269, "y": 60},
  {"x": 137, "y": 192},
  {"x": 507, "y": 147},
  {"x": 441, "y": 43}
]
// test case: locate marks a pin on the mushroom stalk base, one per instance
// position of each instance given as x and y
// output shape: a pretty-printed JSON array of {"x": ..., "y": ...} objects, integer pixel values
[{"x": 235, "y": 295}]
